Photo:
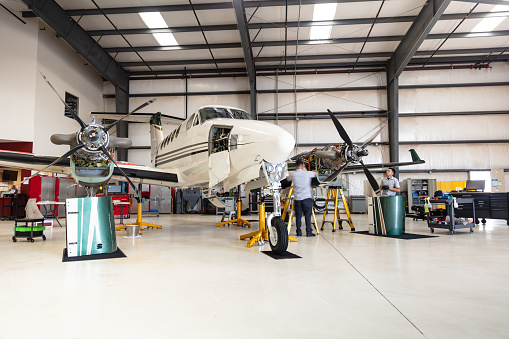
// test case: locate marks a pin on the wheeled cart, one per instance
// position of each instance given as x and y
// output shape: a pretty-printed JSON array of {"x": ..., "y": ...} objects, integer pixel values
[
  {"x": 28, "y": 229},
  {"x": 452, "y": 225}
]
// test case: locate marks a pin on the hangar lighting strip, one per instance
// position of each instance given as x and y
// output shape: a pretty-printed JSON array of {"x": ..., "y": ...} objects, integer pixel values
[
  {"x": 322, "y": 12},
  {"x": 156, "y": 20},
  {"x": 489, "y": 24}
]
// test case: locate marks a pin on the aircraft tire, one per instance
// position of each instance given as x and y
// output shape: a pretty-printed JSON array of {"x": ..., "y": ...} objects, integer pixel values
[{"x": 278, "y": 240}]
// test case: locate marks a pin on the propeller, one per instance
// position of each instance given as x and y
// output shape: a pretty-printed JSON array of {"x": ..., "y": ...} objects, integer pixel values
[
  {"x": 68, "y": 153},
  {"x": 359, "y": 152},
  {"x": 370, "y": 139},
  {"x": 340, "y": 129},
  {"x": 106, "y": 153},
  {"x": 134, "y": 111},
  {"x": 371, "y": 179},
  {"x": 73, "y": 114}
]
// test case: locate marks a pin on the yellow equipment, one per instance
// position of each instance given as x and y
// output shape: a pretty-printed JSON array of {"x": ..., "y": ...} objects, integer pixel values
[
  {"x": 139, "y": 222},
  {"x": 262, "y": 234},
  {"x": 334, "y": 193},
  {"x": 238, "y": 218},
  {"x": 291, "y": 202}
]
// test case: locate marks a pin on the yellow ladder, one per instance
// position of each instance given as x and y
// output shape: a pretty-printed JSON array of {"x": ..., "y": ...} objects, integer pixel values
[{"x": 334, "y": 193}]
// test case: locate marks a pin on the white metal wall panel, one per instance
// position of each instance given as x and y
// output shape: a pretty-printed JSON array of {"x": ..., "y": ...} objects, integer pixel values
[
  {"x": 454, "y": 99},
  {"x": 443, "y": 128}
]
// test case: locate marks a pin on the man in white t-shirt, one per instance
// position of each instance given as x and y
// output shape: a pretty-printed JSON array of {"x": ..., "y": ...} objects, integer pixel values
[
  {"x": 302, "y": 193},
  {"x": 390, "y": 185}
]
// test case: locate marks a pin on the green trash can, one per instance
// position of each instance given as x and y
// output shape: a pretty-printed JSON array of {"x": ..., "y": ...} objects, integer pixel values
[{"x": 389, "y": 215}]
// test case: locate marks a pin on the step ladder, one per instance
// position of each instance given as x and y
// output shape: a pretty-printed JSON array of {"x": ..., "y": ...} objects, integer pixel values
[{"x": 333, "y": 195}]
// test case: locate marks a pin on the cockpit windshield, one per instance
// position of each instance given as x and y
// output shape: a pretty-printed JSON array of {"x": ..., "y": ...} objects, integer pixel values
[
  {"x": 213, "y": 112},
  {"x": 240, "y": 114}
]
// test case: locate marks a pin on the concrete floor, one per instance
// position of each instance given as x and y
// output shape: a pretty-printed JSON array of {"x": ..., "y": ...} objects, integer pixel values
[{"x": 193, "y": 280}]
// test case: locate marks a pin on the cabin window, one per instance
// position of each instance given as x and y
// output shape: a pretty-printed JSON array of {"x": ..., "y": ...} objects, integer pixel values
[
  {"x": 240, "y": 114},
  {"x": 190, "y": 122},
  {"x": 196, "y": 120},
  {"x": 213, "y": 112}
]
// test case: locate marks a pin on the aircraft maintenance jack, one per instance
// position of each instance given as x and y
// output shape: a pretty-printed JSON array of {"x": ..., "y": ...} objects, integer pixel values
[
  {"x": 139, "y": 215},
  {"x": 291, "y": 201},
  {"x": 262, "y": 234},
  {"x": 238, "y": 215},
  {"x": 334, "y": 192}
]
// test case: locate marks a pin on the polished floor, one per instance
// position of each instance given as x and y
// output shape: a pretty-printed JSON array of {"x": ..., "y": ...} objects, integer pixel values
[{"x": 193, "y": 280}]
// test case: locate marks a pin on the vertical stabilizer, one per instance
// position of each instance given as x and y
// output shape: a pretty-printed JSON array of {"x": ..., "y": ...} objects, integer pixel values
[{"x": 156, "y": 136}]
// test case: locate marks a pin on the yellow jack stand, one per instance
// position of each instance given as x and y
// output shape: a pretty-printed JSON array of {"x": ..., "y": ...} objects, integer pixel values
[
  {"x": 238, "y": 218},
  {"x": 334, "y": 193},
  {"x": 292, "y": 212},
  {"x": 263, "y": 233},
  {"x": 139, "y": 222}
]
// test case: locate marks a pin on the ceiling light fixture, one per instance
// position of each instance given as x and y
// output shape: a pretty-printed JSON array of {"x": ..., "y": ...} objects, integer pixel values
[
  {"x": 322, "y": 12},
  {"x": 155, "y": 20},
  {"x": 489, "y": 24}
]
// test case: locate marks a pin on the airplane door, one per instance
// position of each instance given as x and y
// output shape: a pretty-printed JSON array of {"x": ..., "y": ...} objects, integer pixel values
[{"x": 219, "y": 157}]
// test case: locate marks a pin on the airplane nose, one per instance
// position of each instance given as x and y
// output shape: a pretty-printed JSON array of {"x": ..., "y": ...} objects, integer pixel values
[{"x": 279, "y": 145}]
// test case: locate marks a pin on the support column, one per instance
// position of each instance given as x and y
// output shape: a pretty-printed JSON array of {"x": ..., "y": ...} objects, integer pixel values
[
  {"x": 393, "y": 115},
  {"x": 253, "y": 99},
  {"x": 122, "y": 106}
]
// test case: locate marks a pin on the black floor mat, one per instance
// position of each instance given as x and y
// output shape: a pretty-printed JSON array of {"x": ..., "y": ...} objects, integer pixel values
[
  {"x": 286, "y": 255},
  {"x": 117, "y": 254},
  {"x": 406, "y": 236}
]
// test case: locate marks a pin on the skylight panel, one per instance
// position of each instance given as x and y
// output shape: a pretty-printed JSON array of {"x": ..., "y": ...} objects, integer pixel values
[
  {"x": 489, "y": 24},
  {"x": 155, "y": 20},
  {"x": 322, "y": 12}
]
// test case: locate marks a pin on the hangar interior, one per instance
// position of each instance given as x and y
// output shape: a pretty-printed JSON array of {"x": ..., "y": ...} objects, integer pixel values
[{"x": 431, "y": 74}]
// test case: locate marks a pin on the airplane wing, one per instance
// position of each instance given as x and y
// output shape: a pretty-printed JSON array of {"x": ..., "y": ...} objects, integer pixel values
[
  {"x": 137, "y": 173},
  {"x": 357, "y": 168}
]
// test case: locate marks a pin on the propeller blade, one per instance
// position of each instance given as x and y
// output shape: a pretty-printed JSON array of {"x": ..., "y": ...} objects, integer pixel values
[
  {"x": 336, "y": 173},
  {"x": 371, "y": 179},
  {"x": 74, "y": 115},
  {"x": 68, "y": 153},
  {"x": 340, "y": 129},
  {"x": 134, "y": 111},
  {"x": 370, "y": 139},
  {"x": 105, "y": 151}
]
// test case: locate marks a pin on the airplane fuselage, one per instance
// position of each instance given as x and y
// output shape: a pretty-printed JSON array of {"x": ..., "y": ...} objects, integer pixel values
[{"x": 206, "y": 151}]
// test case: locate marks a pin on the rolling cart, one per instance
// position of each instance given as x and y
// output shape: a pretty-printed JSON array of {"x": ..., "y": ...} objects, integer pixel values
[
  {"x": 24, "y": 230},
  {"x": 434, "y": 221}
]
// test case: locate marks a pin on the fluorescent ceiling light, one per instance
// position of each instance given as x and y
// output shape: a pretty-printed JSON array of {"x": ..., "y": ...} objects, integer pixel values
[
  {"x": 156, "y": 20},
  {"x": 165, "y": 39},
  {"x": 322, "y": 12},
  {"x": 489, "y": 24}
]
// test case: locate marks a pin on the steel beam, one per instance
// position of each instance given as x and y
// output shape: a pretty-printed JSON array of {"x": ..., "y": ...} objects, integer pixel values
[
  {"x": 122, "y": 106},
  {"x": 310, "y": 42},
  {"x": 404, "y": 53},
  {"x": 67, "y": 28},
  {"x": 419, "y": 31},
  {"x": 487, "y": 2},
  {"x": 245, "y": 39},
  {"x": 291, "y": 24},
  {"x": 291, "y": 58},
  {"x": 198, "y": 7}
]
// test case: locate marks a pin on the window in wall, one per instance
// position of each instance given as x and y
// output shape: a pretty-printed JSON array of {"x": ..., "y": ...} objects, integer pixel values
[{"x": 73, "y": 102}]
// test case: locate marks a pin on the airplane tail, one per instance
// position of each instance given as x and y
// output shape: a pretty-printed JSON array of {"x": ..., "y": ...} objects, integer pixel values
[
  {"x": 156, "y": 136},
  {"x": 415, "y": 156}
]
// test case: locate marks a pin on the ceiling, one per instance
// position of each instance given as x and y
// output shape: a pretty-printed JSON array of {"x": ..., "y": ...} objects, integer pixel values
[{"x": 210, "y": 41}]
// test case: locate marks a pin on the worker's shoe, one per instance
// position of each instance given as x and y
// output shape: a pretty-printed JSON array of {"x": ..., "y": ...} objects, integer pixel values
[
  {"x": 299, "y": 234},
  {"x": 310, "y": 235}
]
